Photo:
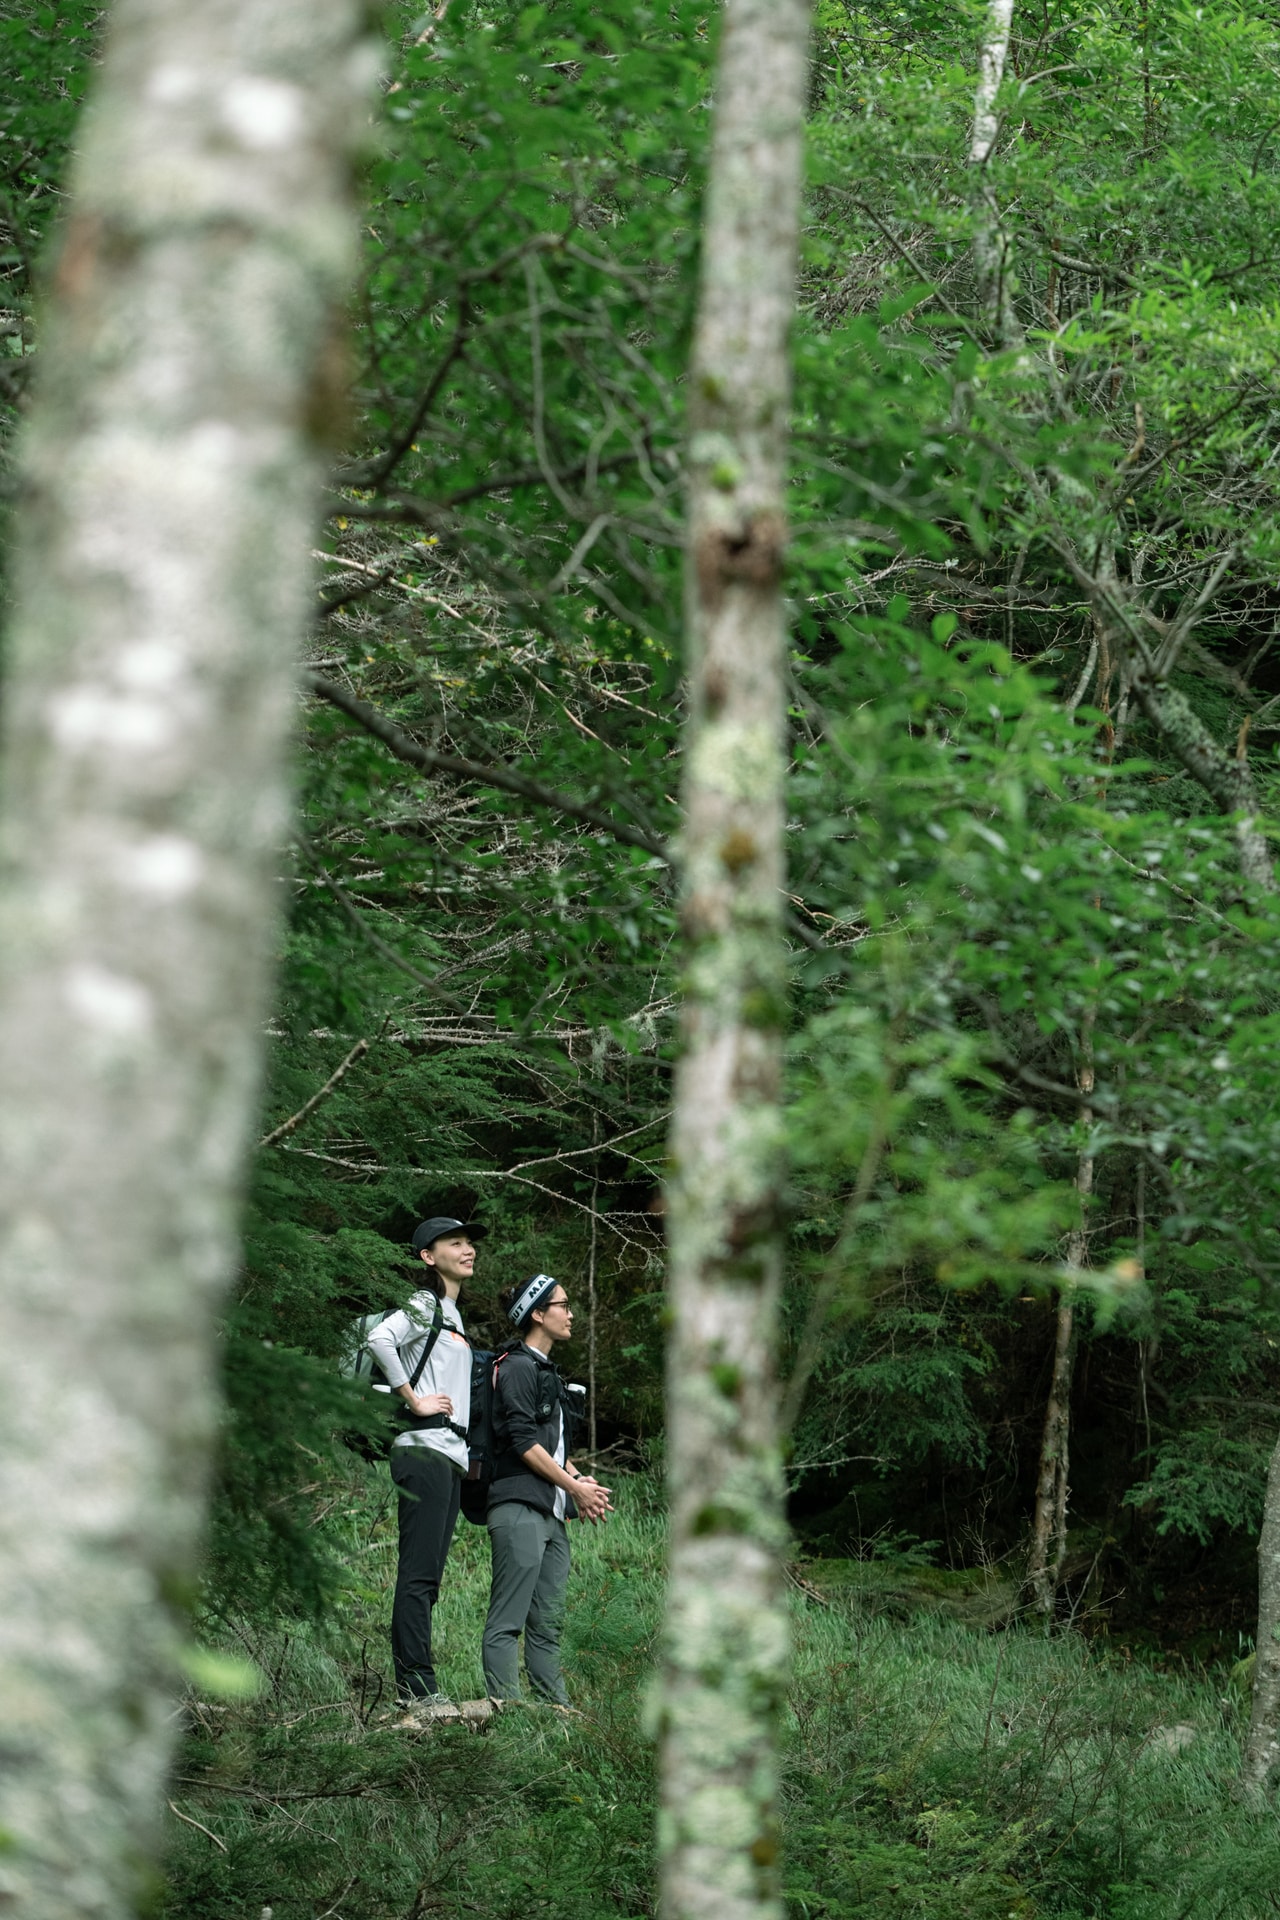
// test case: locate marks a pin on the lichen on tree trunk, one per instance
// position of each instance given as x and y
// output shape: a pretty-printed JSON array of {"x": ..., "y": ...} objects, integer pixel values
[
  {"x": 170, "y": 475},
  {"x": 725, "y": 1659}
]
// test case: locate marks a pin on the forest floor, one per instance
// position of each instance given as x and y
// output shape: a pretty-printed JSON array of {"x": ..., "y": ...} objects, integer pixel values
[{"x": 935, "y": 1764}]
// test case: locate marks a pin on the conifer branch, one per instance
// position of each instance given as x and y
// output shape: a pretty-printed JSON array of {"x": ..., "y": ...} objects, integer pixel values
[
  {"x": 308, "y": 1107},
  {"x": 506, "y": 779}
]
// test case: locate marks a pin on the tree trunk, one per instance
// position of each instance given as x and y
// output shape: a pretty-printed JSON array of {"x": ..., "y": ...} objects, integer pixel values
[
  {"x": 593, "y": 1432},
  {"x": 1260, "y": 1763},
  {"x": 726, "y": 1652},
  {"x": 990, "y": 243},
  {"x": 170, "y": 475},
  {"x": 1049, "y": 1527},
  {"x": 1226, "y": 778}
]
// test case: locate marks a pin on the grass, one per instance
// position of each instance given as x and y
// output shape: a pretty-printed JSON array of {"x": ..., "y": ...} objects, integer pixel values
[{"x": 932, "y": 1767}]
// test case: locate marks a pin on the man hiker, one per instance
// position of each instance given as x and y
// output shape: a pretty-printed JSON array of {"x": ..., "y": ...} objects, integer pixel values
[
  {"x": 533, "y": 1482},
  {"x": 429, "y": 1459}
]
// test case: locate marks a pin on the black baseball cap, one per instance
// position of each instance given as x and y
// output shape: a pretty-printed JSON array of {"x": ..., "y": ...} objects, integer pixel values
[{"x": 428, "y": 1231}]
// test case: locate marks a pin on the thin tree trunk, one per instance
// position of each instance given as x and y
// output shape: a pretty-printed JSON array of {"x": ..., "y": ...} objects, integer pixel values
[
  {"x": 1260, "y": 1762},
  {"x": 1226, "y": 778},
  {"x": 1049, "y": 1527},
  {"x": 592, "y": 1428},
  {"x": 726, "y": 1650},
  {"x": 990, "y": 242},
  {"x": 170, "y": 476}
]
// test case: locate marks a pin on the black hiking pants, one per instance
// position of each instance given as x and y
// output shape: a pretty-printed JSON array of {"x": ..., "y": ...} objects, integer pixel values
[{"x": 429, "y": 1489}]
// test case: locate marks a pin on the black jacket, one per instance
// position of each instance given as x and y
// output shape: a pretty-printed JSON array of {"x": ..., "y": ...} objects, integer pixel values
[{"x": 527, "y": 1412}]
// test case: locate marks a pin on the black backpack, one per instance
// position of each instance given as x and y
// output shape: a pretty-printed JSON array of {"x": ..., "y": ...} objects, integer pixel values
[{"x": 482, "y": 1438}]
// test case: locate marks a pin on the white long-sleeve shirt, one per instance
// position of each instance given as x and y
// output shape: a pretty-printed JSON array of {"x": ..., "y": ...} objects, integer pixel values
[{"x": 396, "y": 1343}]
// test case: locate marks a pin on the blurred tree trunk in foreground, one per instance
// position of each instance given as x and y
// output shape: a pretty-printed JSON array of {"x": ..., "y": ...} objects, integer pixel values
[
  {"x": 170, "y": 476},
  {"x": 726, "y": 1645}
]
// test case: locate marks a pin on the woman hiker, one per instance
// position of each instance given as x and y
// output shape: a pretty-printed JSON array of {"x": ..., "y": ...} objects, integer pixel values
[{"x": 429, "y": 1459}]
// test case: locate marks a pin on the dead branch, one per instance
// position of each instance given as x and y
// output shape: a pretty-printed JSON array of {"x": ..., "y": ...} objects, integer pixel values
[{"x": 295, "y": 1120}]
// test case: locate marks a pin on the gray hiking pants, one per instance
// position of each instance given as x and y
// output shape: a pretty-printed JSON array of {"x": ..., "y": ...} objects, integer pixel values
[{"x": 530, "y": 1574}]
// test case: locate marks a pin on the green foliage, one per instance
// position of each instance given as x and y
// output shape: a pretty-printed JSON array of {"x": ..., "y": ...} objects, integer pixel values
[
  {"x": 315, "y": 1797},
  {"x": 991, "y": 873},
  {"x": 45, "y": 51},
  {"x": 1007, "y": 897},
  {"x": 931, "y": 1767},
  {"x": 48, "y": 49},
  {"x": 283, "y": 1410},
  {"x": 936, "y": 1769},
  {"x": 1002, "y": 876},
  {"x": 509, "y": 528},
  {"x": 1207, "y": 1476}
]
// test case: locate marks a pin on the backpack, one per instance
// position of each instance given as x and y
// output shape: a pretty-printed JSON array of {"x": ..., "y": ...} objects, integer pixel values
[
  {"x": 482, "y": 1437},
  {"x": 482, "y": 1440},
  {"x": 357, "y": 1363}
]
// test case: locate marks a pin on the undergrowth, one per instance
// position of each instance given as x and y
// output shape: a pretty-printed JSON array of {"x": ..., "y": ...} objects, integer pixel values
[{"x": 931, "y": 1769}]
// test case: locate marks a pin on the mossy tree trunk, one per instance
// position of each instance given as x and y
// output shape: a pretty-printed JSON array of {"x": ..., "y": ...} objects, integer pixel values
[
  {"x": 170, "y": 476},
  {"x": 726, "y": 1642}
]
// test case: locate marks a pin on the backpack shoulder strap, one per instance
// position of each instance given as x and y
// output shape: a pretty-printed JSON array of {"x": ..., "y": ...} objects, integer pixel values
[
  {"x": 437, "y": 1329},
  {"x": 503, "y": 1353}
]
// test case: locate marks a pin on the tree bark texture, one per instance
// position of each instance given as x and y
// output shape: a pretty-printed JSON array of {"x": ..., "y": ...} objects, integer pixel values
[
  {"x": 1226, "y": 779},
  {"x": 726, "y": 1651},
  {"x": 170, "y": 475},
  {"x": 1260, "y": 1764},
  {"x": 1049, "y": 1526},
  {"x": 990, "y": 243}
]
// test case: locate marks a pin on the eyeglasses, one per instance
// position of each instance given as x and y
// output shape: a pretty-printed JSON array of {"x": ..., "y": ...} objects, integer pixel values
[{"x": 554, "y": 1303}]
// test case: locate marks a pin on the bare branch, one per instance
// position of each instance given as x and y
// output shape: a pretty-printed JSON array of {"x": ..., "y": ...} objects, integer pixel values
[
  {"x": 427, "y": 760},
  {"x": 308, "y": 1107},
  {"x": 188, "y": 1821}
]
